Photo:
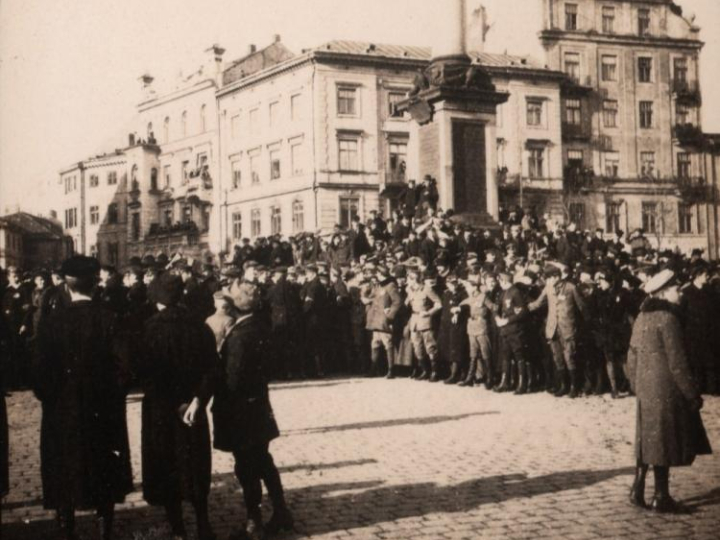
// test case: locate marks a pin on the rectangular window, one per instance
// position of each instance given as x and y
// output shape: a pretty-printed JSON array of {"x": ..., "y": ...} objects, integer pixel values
[
  {"x": 577, "y": 214},
  {"x": 296, "y": 107},
  {"x": 347, "y": 101},
  {"x": 647, "y": 163},
  {"x": 296, "y": 159},
  {"x": 610, "y": 113},
  {"x": 649, "y": 217},
  {"x": 573, "y": 112},
  {"x": 112, "y": 178},
  {"x": 572, "y": 66},
  {"x": 255, "y": 224},
  {"x": 184, "y": 172},
  {"x": 646, "y": 114},
  {"x": 94, "y": 180},
  {"x": 187, "y": 213},
  {"x": 275, "y": 220},
  {"x": 682, "y": 114},
  {"x": 235, "y": 126},
  {"x": 348, "y": 158},
  {"x": 609, "y": 68},
  {"x": 683, "y": 165},
  {"x": 680, "y": 70},
  {"x": 254, "y": 171},
  {"x": 536, "y": 159},
  {"x": 274, "y": 164},
  {"x": 168, "y": 216},
  {"x": 393, "y": 99},
  {"x": 608, "y": 19},
  {"x": 575, "y": 160},
  {"x": 643, "y": 22},
  {"x": 298, "y": 213},
  {"x": 94, "y": 215},
  {"x": 113, "y": 252},
  {"x": 685, "y": 218},
  {"x": 237, "y": 225},
  {"x": 349, "y": 209},
  {"x": 113, "y": 214},
  {"x": 397, "y": 161},
  {"x": 534, "y": 113},
  {"x": 236, "y": 174},
  {"x": 253, "y": 121},
  {"x": 571, "y": 17},
  {"x": 612, "y": 165},
  {"x": 645, "y": 69},
  {"x": 612, "y": 217},
  {"x": 273, "y": 112},
  {"x": 166, "y": 175},
  {"x": 71, "y": 218},
  {"x": 136, "y": 227}
]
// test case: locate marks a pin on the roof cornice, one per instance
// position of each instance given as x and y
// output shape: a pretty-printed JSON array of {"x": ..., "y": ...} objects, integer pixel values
[{"x": 620, "y": 39}]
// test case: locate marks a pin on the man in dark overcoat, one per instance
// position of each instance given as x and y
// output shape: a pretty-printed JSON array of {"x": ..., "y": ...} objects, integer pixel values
[
  {"x": 243, "y": 417},
  {"x": 669, "y": 429},
  {"x": 285, "y": 316},
  {"x": 698, "y": 318},
  {"x": 178, "y": 369},
  {"x": 82, "y": 370}
]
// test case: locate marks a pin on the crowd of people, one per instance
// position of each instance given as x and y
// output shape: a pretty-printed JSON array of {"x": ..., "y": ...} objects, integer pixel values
[{"x": 532, "y": 306}]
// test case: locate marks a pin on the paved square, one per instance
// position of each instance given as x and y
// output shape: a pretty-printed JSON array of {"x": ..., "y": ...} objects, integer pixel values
[{"x": 379, "y": 459}]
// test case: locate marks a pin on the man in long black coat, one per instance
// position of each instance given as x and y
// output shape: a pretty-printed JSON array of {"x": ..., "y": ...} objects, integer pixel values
[
  {"x": 178, "y": 369},
  {"x": 82, "y": 372},
  {"x": 243, "y": 417},
  {"x": 283, "y": 301}
]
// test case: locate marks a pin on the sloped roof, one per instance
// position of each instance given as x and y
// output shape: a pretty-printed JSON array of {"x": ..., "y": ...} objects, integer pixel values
[
  {"x": 382, "y": 50},
  {"x": 33, "y": 225},
  {"x": 264, "y": 58}
]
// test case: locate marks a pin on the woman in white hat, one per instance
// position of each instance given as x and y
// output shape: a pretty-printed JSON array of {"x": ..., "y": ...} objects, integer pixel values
[{"x": 669, "y": 430}]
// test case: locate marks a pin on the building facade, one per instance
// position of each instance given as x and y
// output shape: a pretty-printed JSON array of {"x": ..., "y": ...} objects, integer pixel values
[
  {"x": 315, "y": 140},
  {"x": 32, "y": 242},
  {"x": 633, "y": 148}
]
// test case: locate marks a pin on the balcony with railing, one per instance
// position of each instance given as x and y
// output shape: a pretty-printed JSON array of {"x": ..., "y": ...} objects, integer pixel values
[
  {"x": 688, "y": 135},
  {"x": 695, "y": 189},
  {"x": 575, "y": 132},
  {"x": 687, "y": 91}
]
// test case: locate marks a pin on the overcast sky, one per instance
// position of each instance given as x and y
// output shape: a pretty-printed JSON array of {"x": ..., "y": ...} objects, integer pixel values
[{"x": 69, "y": 68}]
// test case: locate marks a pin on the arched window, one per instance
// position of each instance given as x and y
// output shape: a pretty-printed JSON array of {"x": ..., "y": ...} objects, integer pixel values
[
  {"x": 153, "y": 179},
  {"x": 166, "y": 129},
  {"x": 202, "y": 118},
  {"x": 183, "y": 124}
]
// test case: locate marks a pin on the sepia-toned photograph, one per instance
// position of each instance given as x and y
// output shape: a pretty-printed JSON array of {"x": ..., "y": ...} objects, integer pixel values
[{"x": 360, "y": 270}]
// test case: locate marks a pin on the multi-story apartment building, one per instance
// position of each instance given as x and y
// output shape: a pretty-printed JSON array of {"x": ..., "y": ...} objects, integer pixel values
[
  {"x": 312, "y": 141},
  {"x": 101, "y": 197},
  {"x": 632, "y": 139}
]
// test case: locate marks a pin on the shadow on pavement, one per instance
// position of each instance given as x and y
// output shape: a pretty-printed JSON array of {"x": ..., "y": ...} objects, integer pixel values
[
  {"x": 325, "y": 466},
  {"x": 289, "y": 385},
  {"x": 707, "y": 499},
  {"x": 420, "y": 421}
]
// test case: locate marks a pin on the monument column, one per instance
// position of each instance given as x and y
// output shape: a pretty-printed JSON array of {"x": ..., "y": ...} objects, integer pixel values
[{"x": 454, "y": 102}]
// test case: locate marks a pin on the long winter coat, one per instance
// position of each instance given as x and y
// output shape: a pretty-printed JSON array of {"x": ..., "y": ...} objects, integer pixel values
[
  {"x": 452, "y": 337},
  {"x": 385, "y": 296},
  {"x": 242, "y": 415},
  {"x": 180, "y": 363},
  {"x": 82, "y": 370},
  {"x": 669, "y": 432}
]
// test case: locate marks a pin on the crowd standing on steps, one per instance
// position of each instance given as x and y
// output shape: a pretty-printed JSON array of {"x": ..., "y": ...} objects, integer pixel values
[{"x": 531, "y": 306}]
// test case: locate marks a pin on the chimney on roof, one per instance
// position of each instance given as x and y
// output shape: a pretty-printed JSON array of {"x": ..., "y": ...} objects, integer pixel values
[
  {"x": 371, "y": 48},
  {"x": 214, "y": 62},
  {"x": 146, "y": 81},
  {"x": 252, "y": 49},
  {"x": 276, "y": 38}
]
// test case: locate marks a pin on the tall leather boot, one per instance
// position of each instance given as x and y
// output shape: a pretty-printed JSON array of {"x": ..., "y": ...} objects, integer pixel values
[
  {"x": 574, "y": 384},
  {"x": 454, "y": 374},
  {"x": 637, "y": 492},
  {"x": 531, "y": 377},
  {"x": 503, "y": 386},
  {"x": 391, "y": 362},
  {"x": 374, "y": 362},
  {"x": 66, "y": 524},
  {"x": 662, "y": 501},
  {"x": 254, "y": 528},
  {"x": 562, "y": 386},
  {"x": 434, "y": 376},
  {"x": 612, "y": 377},
  {"x": 469, "y": 380},
  {"x": 281, "y": 518},
  {"x": 522, "y": 379},
  {"x": 424, "y": 374}
]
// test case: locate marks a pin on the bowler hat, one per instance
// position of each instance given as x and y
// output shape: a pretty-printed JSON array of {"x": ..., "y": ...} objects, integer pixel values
[{"x": 80, "y": 266}]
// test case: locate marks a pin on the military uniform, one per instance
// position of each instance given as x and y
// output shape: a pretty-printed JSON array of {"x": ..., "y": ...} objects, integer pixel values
[
  {"x": 424, "y": 302},
  {"x": 384, "y": 303}
]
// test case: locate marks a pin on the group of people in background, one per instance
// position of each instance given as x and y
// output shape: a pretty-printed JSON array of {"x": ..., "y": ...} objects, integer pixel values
[{"x": 530, "y": 306}]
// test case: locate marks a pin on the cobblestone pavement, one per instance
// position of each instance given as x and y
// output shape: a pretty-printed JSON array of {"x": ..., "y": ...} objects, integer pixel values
[{"x": 399, "y": 459}]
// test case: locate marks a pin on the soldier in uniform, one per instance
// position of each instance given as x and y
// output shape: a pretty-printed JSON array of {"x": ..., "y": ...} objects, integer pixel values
[
  {"x": 511, "y": 319},
  {"x": 425, "y": 303},
  {"x": 383, "y": 302},
  {"x": 314, "y": 299},
  {"x": 561, "y": 329},
  {"x": 82, "y": 372}
]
